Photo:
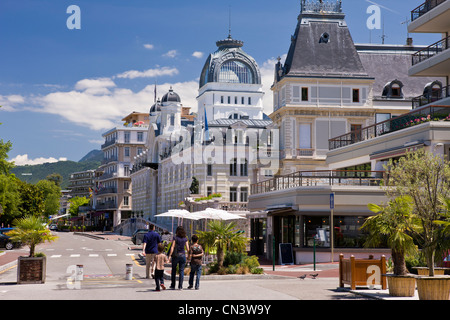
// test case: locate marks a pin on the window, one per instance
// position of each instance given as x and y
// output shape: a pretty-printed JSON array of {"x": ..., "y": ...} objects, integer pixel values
[
  {"x": 126, "y": 185},
  {"x": 221, "y": 100},
  {"x": 229, "y": 100},
  {"x": 233, "y": 194},
  {"x": 249, "y": 101},
  {"x": 244, "y": 167},
  {"x": 355, "y": 95},
  {"x": 233, "y": 167},
  {"x": 140, "y": 136},
  {"x": 127, "y": 137},
  {"x": 126, "y": 201},
  {"x": 244, "y": 194},
  {"x": 127, "y": 151},
  {"x": 304, "y": 141},
  {"x": 139, "y": 150},
  {"x": 234, "y": 71},
  {"x": 242, "y": 100},
  {"x": 172, "y": 119},
  {"x": 209, "y": 168},
  {"x": 209, "y": 191},
  {"x": 305, "y": 95},
  {"x": 126, "y": 170},
  {"x": 235, "y": 100}
]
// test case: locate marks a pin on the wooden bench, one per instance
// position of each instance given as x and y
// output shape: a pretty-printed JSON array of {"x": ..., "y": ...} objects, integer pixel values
[{"x": 356, "y": 272}]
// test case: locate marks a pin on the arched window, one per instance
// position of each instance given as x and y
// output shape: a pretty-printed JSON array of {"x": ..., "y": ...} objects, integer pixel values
[
  {"x": 393, "y": 90},
  {"x": 433, "y": 91},
  {"x": 234, "y": 71}
]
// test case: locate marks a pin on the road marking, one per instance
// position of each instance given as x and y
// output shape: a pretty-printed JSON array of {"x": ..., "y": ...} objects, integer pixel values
[
  {"x": 56, "y": 256},
  {"x": 93, "y": 255},
  {"x": 112, "y": 255},
  {"x": 74, "y": 255}
]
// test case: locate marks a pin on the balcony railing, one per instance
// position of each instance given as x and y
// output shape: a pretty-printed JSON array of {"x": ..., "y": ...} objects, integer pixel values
[
  {"x": 320, "y": 178},
  {"x": 415, "y": 117},
  {"x": 433, "y": 97},
  {"x": 424, "y": 8},
  {"x": 430, "y": 51}
]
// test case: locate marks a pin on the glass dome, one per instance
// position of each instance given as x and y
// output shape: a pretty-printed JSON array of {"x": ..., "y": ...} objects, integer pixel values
[{"x": 234, "y": 71}]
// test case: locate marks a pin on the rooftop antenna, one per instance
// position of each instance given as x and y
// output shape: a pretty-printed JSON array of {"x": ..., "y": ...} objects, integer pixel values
[
  {"x": 383, "y": 36},
  {"x": 229, "y": 22},
  {"x": 407, "y": 21}
]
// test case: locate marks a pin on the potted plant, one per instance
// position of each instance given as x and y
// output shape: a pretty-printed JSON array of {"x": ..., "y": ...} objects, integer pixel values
[
  {"x": 31, "y": 231},
  {"x": 424, "y": 177},
  {"x": 392, "y": 224}
]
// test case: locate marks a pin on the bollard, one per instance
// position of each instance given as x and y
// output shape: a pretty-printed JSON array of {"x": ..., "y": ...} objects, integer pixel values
[
  {"x": 79, "y": 273},
  {"x": 129, "y": 273}
]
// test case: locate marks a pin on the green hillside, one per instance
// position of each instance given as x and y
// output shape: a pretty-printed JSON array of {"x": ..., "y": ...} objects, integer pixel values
[{"x": 32, "y": 174}]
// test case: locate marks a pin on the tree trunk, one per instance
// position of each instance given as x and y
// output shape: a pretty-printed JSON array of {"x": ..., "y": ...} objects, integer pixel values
[
  {"x": 398, "y": 258},
  {"x": 220, "y": 256}
]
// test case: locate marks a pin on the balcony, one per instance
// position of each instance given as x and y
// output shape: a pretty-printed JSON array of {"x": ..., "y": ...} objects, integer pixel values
[
  {"x": 415, "y": 117},
  {"x": 434, "y": 97},
  {"x": 108, "y": 143},
  {"x": 425, "y": 8},
  {"x": 320, "y": 178},
  {"x": 431, "y": 51}
]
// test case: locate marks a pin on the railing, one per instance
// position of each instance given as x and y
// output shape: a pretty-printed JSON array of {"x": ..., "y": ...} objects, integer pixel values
[
  {"x": 424, "y": 8},
  {"x": 430, "y": 51},
  {"x": 415, "y": 117},
  {"x": 108, "y": 143},
  {"x": 320, "y": 178},
  {"x": 434, "y": 96}
]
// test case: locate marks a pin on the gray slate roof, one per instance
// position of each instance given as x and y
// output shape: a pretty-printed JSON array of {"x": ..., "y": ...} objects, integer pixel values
[{"x": 308, "y": 56}]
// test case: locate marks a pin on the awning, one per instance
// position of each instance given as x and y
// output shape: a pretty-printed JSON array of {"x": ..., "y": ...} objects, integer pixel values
[{"x": 396, "y": 152}]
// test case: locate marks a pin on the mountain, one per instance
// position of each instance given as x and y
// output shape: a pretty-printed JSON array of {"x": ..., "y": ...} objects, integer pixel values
[{"x": 34, "y": 173}]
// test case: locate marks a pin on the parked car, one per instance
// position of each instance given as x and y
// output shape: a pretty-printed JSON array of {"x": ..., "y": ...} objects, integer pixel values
[
  {"x": 138, "y": 236},
  {"x": 5, "y": 241},
  {"x": 53, "y": 227}
]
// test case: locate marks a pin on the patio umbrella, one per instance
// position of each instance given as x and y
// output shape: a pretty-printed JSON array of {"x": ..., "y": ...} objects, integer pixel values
[
  {"x": 216, "y": 214},
  {"x": 178, "y": 213}
]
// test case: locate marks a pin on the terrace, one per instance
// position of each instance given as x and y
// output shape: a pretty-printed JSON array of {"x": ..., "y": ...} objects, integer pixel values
[
  {"x": 413, "y": 118},
  {"x": 320, "y": 178},
  {"x": 424, "y": 8}
]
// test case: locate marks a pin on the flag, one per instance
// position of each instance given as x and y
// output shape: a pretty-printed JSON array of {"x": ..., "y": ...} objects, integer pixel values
[{"x": 206, "y": 127}]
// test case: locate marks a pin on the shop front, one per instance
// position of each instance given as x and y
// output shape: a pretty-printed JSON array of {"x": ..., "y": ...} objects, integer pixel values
[{"x": 304, "y": 218}]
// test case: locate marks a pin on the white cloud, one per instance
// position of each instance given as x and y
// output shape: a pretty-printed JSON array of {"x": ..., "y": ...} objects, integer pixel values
[
  {"x": 150, "y": 73},
  {"x": 198, "y": 54},
  {"x": 149, "y": 46},
  {"x": 95, "y": 86},
  {"x": 22, "y": 160},
  {"x": 9, "y": 102},
  {"x": 171, "y": 54}
]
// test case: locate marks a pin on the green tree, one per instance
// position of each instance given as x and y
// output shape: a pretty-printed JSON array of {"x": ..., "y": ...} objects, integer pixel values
[
  {"x": 194, "y": 186},
  {"x": 31, "y": 231},
  {"x": 51, "y": 195},
  {"x": 9, "y": 198},
  {"x": 424, "y": 177},
  {"x": 31, "y": 200},
  {"x": 5, "y": 165},
  {"x": 56, "y": 178},
  {"x": 393, "y": 224},
  {"x": 75, "y": 203},
  {"x": 222, "y": 236}
]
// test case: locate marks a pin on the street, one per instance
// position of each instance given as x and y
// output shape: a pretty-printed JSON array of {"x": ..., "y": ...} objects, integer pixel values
[{"x": 104, "y": 278}]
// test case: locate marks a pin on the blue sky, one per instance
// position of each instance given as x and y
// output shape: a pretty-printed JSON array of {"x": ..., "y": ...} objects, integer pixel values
[{"x": 61, "y": 89}]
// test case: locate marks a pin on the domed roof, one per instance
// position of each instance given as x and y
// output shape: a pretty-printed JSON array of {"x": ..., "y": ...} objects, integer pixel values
[
  {"x": 230, "y": 64},
  {"x": 156, "y": 107},
  {"x": 171, "y": 96}
]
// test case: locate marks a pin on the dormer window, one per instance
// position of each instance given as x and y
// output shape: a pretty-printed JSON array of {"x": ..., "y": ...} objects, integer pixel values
[
  {"x": 433, "y": 91},
  {"x": 393, "y": 90}
]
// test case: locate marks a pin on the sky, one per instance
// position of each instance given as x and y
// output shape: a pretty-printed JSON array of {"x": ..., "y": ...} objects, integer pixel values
[{"x": 61, "y": 87}]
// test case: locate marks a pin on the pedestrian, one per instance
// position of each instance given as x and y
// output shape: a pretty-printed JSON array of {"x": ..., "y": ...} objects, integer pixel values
[
  {"x": 178, "y": 256},
  {"x": 195, "y": 255},
  {"x": 160, "y": 259},
  {"x": 150, "y": 249}
]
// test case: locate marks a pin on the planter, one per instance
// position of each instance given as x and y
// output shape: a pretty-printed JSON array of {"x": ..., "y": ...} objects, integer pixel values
[
  {"x": 433, "y": 288},
  {"x": 424, "y": 271},
  {"x": 401, "y": 286},
  {"x": 31, "y": 270}
]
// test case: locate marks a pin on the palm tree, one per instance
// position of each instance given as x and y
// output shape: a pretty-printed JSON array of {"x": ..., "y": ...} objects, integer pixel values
[
  {"x": 222, "y": 236},
  {"x": 393, "y": 223},
  {"x": 31, "y": 231}
]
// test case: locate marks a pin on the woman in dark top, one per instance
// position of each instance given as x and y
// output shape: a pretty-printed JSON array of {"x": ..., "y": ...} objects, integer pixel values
[{"x": 178, "y": 255}]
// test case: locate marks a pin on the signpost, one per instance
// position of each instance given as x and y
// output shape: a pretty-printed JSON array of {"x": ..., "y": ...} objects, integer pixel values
[{"x": 332, "y": 225}]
